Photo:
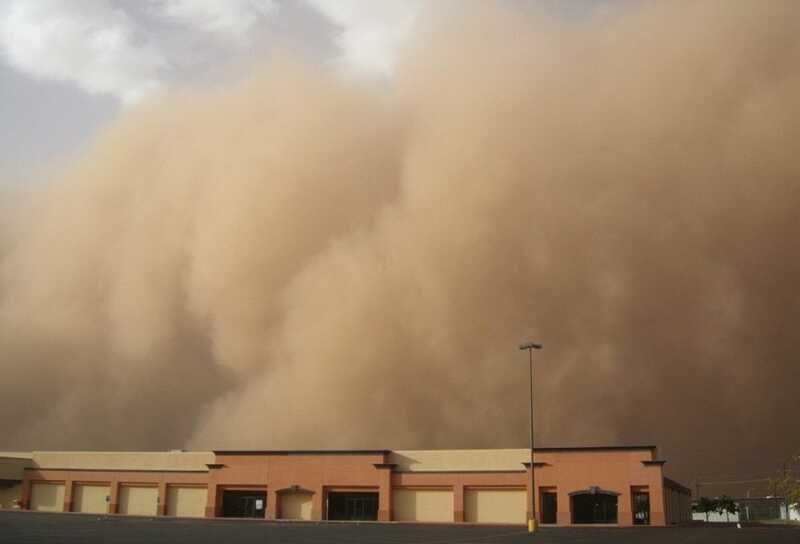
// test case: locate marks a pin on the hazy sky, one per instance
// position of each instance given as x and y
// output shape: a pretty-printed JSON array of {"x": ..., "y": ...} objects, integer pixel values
[
  {"x": 617, "y": 180},
  {"x": 69, "y": 66}
]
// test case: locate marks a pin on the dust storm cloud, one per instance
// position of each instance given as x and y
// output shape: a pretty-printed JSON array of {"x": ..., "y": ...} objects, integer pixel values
[{"x": 302, "y": 260}]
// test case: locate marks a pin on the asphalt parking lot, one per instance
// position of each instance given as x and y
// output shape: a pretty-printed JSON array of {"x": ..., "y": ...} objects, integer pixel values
[{"x": 40, "y": 528}]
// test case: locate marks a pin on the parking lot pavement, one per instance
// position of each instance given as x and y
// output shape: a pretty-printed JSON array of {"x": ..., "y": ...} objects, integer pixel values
[{"x": 39, "y": 528}]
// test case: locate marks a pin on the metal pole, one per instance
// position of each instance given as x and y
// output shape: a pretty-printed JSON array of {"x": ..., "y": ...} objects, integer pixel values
[
  {"x": 532, "y": 523},
  {"x": 530, "y": 346}
]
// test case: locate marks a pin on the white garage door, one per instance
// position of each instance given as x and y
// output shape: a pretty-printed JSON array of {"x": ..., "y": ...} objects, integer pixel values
[
  {"x": 296, "y": 505},
  {"x": 140, "y": 501},
  {"x": 422, "y": 505},
  {"x": 90, "y": 498},
  {"x": 495, "y": 505},
  {"x": 10, "y": 495},
  {"x": 186, "y": 501},
  {"x": 47, "y": 497}
]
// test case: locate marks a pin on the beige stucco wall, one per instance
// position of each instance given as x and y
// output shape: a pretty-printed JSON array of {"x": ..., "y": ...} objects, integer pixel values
[
  {"x": 12, "y": 464},
  {"x": 422, "y": 505},
  {"x": 141, "y": 501},
  {"x": 296, "y": 505},
  {"x": 495, "y": 506},
  {"x": 459, "y": 460},
  {"x": 125, "y": 460},
  {"x": 186, "y": 501},
  {"x": 47, "y": 497},
  {"x": 10, "y": 494},
  {"x": 90, "y": 498}
]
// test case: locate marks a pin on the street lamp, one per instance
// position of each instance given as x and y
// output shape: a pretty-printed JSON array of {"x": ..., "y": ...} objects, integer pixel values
[{"x": 530, "y": 346}]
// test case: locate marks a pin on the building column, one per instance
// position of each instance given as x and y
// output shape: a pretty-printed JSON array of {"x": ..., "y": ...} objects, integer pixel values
[
  {"x": 212, "y": 510},
  {"x": 531, "y": 493},
  {"x": 67, "y": 496},
  {"x": 162, "y": 499},
  {"x": 273, "y": 507},
  {"x": 564, "y": 512},
  {"x": 25, "y": 494},
  {"x": 385, "y": 492},
  {"x": 625, "y": 508},
  {"x": 113, "y": 501},
  {"x": 458, "y": 503},
  {"x": 316, "y": 503},
  {"x": 657, "y": 516}
]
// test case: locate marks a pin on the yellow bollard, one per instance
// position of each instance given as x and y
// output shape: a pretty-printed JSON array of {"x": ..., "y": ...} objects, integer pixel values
[{"x": 532, "y": 526}]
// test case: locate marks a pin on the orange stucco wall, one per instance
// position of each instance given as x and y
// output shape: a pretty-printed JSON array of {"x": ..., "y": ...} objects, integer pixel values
[
  {"x": 616, "y": 471},
  {"x": 563, "y": 471},
  {"x": 314, "y": 473}
]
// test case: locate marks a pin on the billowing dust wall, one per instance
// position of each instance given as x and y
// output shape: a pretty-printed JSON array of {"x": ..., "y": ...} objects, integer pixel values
[{"x": 303, "y": 260}]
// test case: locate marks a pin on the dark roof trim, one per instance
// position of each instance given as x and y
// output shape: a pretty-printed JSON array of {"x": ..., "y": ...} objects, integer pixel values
[
  {"x": 384, "y": 465},
  {"x": 301, "y": 452},
  {"x": 215, "y": 465},
  {"x": 594, "y": 491},
  {"x": 536, "y": 464},
  {"x": 672, "y": 484},
  {"x": 655, "y": 462},
  {"x": 120, "y": 470},
  {"x": 458, "y": 471}
]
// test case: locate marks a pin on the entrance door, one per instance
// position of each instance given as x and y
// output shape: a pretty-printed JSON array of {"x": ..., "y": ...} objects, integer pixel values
[
  {"x": 594, "y": 508},
  {"x": 244, "y": 504},
  {"x": 641, "y": 508},
  {"x": 549, "y": 507},
  {"x": 353, "y": 506}
]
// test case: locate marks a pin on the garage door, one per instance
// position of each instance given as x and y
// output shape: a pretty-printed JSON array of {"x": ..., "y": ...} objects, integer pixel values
[
  {"x": 422, "y": 505},
  {"x": 47, "y": 497},
  {"x": 10, "y": 495},
  {"x": 296, "y": 505},
  {"x": 140, "y": 501},
  {"x": 90, "y": 498},
  {"x": 495, "y": 505},
  {"x": 186, "y": 501}
]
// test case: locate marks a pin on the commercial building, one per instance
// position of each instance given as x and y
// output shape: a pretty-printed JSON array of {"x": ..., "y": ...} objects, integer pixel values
[{"x": 586, "y": 485}]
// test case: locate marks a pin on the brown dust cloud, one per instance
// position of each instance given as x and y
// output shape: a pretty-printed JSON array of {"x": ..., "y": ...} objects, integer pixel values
[{"x": 307, "y": 259}]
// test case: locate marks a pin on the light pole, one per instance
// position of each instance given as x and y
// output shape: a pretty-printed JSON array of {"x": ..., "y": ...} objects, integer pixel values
[{"x": 530, "y": 346}]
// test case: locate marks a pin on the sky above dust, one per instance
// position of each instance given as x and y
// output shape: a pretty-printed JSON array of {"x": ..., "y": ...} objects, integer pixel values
[{"x": 313, "y": 224}]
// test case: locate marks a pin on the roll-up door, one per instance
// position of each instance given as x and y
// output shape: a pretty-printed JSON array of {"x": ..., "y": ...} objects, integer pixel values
[
  {"x": 10, "y": 495},
  {"x": 137, "y": 500},
  {"x": 495, "y": 505},
  {"x": 186, "y": 501},
  {"x": 91, "y": 499},
  {"x": 47, "y": 497},
  {"x": 422, "y": 505}
]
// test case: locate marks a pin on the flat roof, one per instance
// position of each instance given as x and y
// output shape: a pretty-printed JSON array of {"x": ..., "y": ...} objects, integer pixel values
[
  {"x": 380, "y": 452},
  {"x": 301, "y": 452},
  {"x": 593, "y": 448}
]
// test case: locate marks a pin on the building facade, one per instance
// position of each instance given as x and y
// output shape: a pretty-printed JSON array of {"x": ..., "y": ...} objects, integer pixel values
[{"x": 618, "y": 486}]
